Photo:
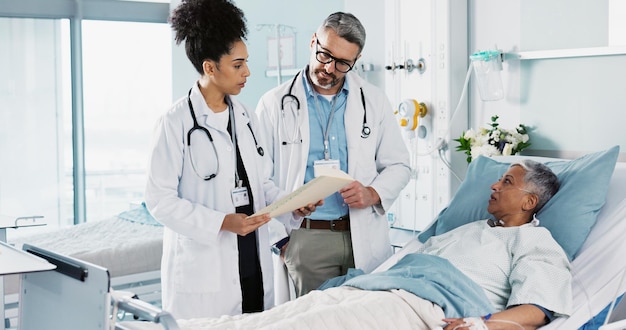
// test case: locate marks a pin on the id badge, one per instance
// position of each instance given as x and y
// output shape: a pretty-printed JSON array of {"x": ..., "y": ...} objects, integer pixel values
[
  {"x": 240, "y": 196},
  {"x": 331, "y": 163}
]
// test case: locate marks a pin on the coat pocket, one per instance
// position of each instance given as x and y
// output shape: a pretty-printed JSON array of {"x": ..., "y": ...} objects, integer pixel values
[{"x": 197, "y": 267}]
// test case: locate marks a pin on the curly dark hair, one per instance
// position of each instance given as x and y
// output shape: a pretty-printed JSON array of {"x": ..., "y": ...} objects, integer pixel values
[{"x": 208, "y": 27}]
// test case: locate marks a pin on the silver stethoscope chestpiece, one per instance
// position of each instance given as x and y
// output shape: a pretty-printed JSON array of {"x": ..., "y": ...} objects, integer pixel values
[{"x": 365, "y": 132}]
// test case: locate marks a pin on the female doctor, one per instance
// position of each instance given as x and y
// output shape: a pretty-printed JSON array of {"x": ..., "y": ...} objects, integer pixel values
[{"x": 207, "y": 175}]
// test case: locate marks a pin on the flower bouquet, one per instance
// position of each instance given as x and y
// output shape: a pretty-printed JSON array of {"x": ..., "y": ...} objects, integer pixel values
[{"x": 493, "y": 141}]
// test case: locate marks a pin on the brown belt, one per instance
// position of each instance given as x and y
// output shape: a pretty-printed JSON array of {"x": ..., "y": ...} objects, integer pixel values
[{"x": 340, "y": 224}]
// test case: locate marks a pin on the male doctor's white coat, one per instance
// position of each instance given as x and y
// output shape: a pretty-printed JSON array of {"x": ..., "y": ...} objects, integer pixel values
[
  {"x": 380, "y": 160},
  {"x": 200, "y": 270}
]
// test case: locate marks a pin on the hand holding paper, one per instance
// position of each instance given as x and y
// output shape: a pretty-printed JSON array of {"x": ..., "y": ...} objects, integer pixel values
[
  {"x": 328, "y": 181},
  {"x": 242, "y": 225},
  {"x": 305, "y": 211}
]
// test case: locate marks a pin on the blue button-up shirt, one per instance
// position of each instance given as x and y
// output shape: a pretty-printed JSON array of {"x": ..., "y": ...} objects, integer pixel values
[{"x": 319, "y": 113}]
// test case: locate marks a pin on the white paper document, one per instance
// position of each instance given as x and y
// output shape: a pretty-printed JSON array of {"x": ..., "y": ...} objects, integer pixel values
[{"x": 328, "y": 181}]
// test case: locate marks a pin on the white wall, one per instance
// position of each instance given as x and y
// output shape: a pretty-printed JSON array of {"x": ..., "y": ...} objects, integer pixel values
[
  {"x": 304, "y": 17},
  {"x": 371, "y": 15},
  {"x": 545, "y": 94},
  {"x": 574, "y": 105},
  {"x": 495, "y": 24}
]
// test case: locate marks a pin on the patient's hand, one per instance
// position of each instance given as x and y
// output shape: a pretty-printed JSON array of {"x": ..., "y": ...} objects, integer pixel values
[
  {"x": 524, "y": 316},
  {"x": 475, "y": 323},
  {"x": 242, "y": 224}
]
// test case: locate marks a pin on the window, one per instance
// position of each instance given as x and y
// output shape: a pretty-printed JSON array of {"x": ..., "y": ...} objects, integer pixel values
[
  {"x": 125, "y": 87},
  {"x": 127, "y": 84},
  {"x": 34, "y": 57}
]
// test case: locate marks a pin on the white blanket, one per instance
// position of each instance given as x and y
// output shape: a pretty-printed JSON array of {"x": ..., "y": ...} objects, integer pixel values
[
  {"x": 336, "y": 308},
  {"x": 123, "y": 247}
]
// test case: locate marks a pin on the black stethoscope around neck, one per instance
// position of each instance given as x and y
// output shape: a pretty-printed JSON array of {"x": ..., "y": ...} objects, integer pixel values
[
  {"x": 195, "y": 127},
  {"x": 365, "y": 129}
]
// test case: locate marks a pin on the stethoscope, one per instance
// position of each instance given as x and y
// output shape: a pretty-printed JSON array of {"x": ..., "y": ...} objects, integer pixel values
[
  {"x": 365, "y": 129},
  {"x": 195, "y": 127}
]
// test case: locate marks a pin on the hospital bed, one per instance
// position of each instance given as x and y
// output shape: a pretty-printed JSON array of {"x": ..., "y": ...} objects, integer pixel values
[
  {"x": 598, "y": 266},
  {"x": 128, "y": 245},
  {"x": 74, "y": 295}
]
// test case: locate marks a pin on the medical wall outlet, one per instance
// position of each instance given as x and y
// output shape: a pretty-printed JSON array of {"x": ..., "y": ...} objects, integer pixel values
[
  {"x": 409, "y": 65},
  {"x": 410, "y": 111}
]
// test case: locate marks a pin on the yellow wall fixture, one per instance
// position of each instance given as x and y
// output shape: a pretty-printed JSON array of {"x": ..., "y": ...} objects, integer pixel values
[{"x": 410, "y": 111}]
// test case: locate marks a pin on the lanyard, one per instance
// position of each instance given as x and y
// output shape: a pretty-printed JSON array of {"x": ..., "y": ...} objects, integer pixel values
[
  {"x": 233, "y": 136},
  {"x": 330, "y": 119}
]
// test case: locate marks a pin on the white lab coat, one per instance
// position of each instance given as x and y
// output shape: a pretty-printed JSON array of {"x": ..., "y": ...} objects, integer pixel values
[
  {"x": 200, "y": 271},
  {"x": 380, "y": 161}
]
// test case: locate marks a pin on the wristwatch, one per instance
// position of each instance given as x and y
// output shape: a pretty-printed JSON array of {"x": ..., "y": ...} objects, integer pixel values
[{"x": 279, "y": 245}]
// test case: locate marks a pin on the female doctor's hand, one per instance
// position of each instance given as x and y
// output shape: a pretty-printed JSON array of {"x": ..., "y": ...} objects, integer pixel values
[{"x": 242, "y": 224}]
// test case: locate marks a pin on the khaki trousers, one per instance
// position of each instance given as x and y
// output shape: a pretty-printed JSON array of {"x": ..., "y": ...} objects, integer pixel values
[{"x": 316, "y": 255}]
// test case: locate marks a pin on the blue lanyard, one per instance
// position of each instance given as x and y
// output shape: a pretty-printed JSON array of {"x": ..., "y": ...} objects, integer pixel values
[{"x": 330, "y": 120}]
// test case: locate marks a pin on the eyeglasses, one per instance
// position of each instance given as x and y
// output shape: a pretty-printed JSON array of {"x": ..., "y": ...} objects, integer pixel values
[{"x": 325, "y": 58}]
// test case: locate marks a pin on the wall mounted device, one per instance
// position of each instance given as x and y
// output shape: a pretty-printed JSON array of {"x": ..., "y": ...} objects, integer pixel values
[
  {"x": 409, "y": 65},
  {"x": 487, "y": 66},
  {"x": 410, "y": 112}
]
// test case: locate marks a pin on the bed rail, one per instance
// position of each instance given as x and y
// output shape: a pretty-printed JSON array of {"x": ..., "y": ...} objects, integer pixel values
[{"x": 142, "y": 310}]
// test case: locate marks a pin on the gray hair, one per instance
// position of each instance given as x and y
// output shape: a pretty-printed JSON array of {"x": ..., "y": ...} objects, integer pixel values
[
  {"x": 347, "y": 26},
  {"x": 539, "y": 180}
]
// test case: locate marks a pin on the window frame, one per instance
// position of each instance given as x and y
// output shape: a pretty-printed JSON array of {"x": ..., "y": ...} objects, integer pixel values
[{"x": 77, "y": 11}]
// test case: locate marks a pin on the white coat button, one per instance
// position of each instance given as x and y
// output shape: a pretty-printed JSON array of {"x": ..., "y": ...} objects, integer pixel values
[{"x": 229, "y": 148}]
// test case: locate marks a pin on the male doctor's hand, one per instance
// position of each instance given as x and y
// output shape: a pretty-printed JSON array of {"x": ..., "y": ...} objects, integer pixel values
[
  {"x": 358, "y": 196},
  {"x": 243, "y": 225},
  {"x": 305, "y": 211}
]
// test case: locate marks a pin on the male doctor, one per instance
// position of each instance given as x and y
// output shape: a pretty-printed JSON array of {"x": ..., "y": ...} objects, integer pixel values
[{"x": 328, "y": 116}]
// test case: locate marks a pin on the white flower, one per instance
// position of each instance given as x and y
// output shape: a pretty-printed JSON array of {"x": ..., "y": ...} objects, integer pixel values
[
  {"x": 484, "y": 150},
  {"x": 480, "y": 140},
  {"x": 493, "y": 141},
  {"x": 469, "y": 134},
  {"x": 525, "y": 137},
  {"x": 495, "y": 136}
]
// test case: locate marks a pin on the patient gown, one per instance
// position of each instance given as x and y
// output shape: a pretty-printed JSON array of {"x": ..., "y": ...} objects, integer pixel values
[{"x": 512, "y": 265}]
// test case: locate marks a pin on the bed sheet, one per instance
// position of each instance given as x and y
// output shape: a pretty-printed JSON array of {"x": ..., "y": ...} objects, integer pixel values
[
  {"x": 335, "y": 308},
  {"x": 123, "y": 247}
]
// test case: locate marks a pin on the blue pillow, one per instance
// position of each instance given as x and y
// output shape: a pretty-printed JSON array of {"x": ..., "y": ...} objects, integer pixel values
[
  {"x": 569, "y": 215},
  {"x": 139, "y": 215}
]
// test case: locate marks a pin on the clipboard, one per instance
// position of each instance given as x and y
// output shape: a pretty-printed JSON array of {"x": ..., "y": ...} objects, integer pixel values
[{"x": 328, "y": 181}]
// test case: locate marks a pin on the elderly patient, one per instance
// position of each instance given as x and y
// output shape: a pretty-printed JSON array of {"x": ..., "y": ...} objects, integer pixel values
[{"x": 499, "y": 273}]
